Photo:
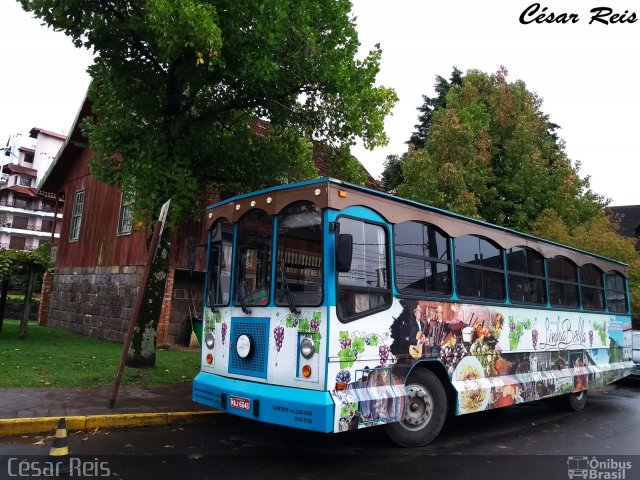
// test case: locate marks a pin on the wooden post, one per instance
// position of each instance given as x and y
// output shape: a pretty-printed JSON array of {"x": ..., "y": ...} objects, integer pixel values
[
  {"x": 22, "y": 335},
  {"x": 136, "y": 310}
]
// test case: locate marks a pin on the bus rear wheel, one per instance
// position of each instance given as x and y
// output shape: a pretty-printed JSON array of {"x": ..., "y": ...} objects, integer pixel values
[
  {"x": 574, "y": 402},
  {"x": 425, "y": 411}
]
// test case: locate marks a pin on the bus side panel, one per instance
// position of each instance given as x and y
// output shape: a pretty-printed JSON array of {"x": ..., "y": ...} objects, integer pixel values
[{"x": 495, "y": 356}]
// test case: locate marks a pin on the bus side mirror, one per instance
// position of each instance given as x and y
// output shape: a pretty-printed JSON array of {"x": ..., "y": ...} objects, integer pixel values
[{"x": 344, "y": 252}]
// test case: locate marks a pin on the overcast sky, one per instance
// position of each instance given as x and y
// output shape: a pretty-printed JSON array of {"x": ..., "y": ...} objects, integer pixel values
[{"x": 588, "y": 75}]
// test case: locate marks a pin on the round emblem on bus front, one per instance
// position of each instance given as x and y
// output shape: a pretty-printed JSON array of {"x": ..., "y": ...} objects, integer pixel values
[{"x": 243, "y": 346}]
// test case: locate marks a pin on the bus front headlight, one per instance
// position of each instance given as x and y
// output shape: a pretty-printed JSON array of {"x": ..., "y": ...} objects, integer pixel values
[
  {"x": 209, "y": 340},
  {"x": 307, "y": 348}
]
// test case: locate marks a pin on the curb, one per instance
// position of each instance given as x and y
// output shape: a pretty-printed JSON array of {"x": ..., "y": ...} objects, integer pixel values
[{"x": 22, "y": 426}]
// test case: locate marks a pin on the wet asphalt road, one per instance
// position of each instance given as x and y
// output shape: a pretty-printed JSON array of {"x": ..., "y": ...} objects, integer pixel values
[{"x": 525, "y": 441}]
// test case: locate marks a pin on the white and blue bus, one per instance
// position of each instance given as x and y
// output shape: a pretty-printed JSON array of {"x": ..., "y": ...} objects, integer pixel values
[{"x": 332, "y": 307}]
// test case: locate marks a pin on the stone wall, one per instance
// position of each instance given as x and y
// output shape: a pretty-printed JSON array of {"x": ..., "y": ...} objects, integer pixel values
[
  {"x": 15, "y": 310},
  {"x": 94, "y": 301}
]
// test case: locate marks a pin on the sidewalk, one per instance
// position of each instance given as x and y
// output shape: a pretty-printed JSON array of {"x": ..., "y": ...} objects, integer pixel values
[{"x": 33, "y": 410}]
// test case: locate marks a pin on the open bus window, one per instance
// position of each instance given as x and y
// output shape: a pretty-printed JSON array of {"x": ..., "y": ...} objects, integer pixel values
[
  {"x": 299, "y": 262},
  {"x": 563, "y": 283},
  {"x": 253, "y": 259},
  {"x": 616, "y": 293},
  {"x": 592, "y": 287},
  {"x": 422, "y": 260},
  {"x": 220, "y": 263},
  {"x": 479, "y": 268},
  {"x": 365, "y": 287},
  {"x": 526, "y": 276}
]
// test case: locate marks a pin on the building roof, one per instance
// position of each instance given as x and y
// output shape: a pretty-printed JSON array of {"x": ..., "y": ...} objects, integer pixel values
[
  {"x": 33, "y": 133},
  {"x": 15, "y": 168},
  {"x": 628, "y": 217},
  {"x": 29, "y": 192}
]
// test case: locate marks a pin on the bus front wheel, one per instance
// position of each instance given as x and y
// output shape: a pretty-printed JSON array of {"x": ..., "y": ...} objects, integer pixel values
[{"x": 425, "y": 411}]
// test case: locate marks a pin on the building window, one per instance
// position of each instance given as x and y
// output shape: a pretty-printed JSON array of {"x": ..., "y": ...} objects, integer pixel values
[
  {"x": 422, "y": 261},
  {"x": 526, "y": 276},
  {"x": 17, "y": 243},
  {"x": 124, "y": 221},
  {"x": 28, "y": 158},
  {"x": 25, "y": 181},
  {"x": 479, "y": 268},
  {"x": 21, "y": 202},
  {"x": 563, "y": 283},
  {"x": 616, "y": 293},
  {"x": 76, "y": 217}
]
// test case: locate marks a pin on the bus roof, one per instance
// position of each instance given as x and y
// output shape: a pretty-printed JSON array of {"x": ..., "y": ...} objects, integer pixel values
[{"x": 405, "y": 201}]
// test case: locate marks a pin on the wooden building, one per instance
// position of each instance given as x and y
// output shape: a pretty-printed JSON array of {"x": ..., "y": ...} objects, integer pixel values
[{"x": 99, "y": 258}]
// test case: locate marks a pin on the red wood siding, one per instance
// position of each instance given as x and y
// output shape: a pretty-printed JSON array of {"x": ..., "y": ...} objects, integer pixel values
[{"x": 98, "y": 243}]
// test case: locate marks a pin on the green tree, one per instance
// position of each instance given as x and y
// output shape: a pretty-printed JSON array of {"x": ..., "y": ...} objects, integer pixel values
[
  {"x": 492, "y": 153},
  {"x": 392, "y": 175},
  {"x": 179, "y": 84},
  {"x": 17, "y": 262},
  {"x": 425, "y": 120},
  {"x": 598, "y": 235}
]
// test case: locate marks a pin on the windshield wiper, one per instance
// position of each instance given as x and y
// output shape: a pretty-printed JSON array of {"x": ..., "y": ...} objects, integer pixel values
[
  {"x": 283, "y": 281},
  {"x": 285, "y": 288},
  {"x": 241, "y": 288}
]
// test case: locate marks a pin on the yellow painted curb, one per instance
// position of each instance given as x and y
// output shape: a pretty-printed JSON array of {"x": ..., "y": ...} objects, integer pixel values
[
  {"x": 191, "y": 417},
  {"x": 127, "y": 420},
  {"x": 22, "y": 426}
]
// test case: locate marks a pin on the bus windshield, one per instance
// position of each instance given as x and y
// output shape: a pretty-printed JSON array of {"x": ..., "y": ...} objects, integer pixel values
[
  {"x": 299, "y": 255},
  {"x": 253, "y": 259},
  {"x": 220, "y": 264}
]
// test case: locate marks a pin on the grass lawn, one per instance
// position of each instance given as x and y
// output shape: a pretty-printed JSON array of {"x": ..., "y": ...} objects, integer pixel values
[{"x": 52, "y": 357}]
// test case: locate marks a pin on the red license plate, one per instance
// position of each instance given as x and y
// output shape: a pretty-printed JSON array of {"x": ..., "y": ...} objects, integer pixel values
[{"x": 239, "y": 403}]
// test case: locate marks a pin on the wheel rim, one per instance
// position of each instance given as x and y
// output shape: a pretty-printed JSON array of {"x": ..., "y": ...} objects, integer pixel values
[
  {"x": 579, "y": 395},
  {"x": 419, "y": 407}
]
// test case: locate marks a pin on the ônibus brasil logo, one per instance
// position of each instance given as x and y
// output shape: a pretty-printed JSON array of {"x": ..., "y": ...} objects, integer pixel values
[{"x": 596, "y": 468}]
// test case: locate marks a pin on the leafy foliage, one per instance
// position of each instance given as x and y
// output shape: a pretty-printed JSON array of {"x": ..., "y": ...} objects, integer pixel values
[
  {"x": 12, "y": 262},
  {"x": 178, "y": 84},
  {"x": 490, "y": 153}
]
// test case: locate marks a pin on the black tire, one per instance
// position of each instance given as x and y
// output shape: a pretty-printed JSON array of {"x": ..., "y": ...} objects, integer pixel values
[
  {"x": 425, "y": 411},
  {"x": 574, "y": 402}
]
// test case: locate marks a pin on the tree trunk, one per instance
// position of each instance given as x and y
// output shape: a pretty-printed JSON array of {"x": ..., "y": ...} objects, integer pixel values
[
  {"x": 3, "y": 300},
  {"x": 22, "y": 335},
  {"x": 142, "y": 352}
]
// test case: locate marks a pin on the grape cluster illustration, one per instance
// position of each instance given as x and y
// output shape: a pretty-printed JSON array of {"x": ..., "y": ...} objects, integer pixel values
[
  {"x": 278, "y": 335},
  {"x": 345, "y": 342},
  {"x": 534, "y": 337},
  {"x": 343, "y": 376},
  {"x": 590, "y": 338},
  {"x": 224, "y": 332},
  {"x": 367, "y": 340},
  {"x": 383, "y": 351},
  {"x": 315, "y": 325}
]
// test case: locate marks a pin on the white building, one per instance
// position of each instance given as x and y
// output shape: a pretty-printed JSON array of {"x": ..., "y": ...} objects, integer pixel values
[{"x": 26, "y": 216}]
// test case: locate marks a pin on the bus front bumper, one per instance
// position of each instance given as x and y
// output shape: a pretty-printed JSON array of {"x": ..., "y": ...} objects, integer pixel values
[{"x": 287, "y": 406}]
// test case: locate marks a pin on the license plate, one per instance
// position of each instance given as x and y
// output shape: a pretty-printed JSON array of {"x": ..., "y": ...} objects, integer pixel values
[{"x": 239, "y": 403}]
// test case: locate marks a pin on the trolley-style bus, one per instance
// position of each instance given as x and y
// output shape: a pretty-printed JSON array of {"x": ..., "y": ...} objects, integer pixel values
[{"x": 332, "y": 307}]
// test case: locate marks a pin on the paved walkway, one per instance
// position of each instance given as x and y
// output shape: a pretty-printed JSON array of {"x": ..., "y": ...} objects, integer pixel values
[{"x": 42, "y": 405}]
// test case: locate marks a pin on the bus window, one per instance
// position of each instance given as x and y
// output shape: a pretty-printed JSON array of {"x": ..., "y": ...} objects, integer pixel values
[
  {"x": 592, "y": 288},
  {"x": 526, "y": 276},
  {"x": 365, "y": 288},
  {"x": 253, "y": 259},
  {"x": 616, "y": 293},
  {"x": 479, "y": 268},
  {"x": 422, "y": 261},
  {"x": 563, "y": 283},
  {"x": 299, "y": 265},
  {"x": 220, "y": 263}
]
